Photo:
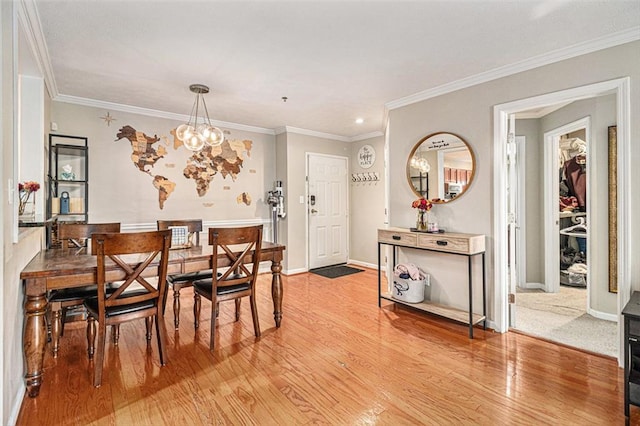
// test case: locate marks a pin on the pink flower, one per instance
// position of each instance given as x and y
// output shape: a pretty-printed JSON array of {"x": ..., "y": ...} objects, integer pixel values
[{"x": 422, "y": 204}]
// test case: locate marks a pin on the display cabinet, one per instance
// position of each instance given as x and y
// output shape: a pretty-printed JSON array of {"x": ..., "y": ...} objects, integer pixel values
[{"x": 68, "y": 180}]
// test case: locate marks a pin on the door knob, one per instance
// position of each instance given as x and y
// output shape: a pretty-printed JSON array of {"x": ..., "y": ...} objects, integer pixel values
[{"x": 314, "y": 211}]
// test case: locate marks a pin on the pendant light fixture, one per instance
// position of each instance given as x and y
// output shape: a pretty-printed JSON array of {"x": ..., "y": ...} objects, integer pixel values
[{"x": 194, "y": 135}]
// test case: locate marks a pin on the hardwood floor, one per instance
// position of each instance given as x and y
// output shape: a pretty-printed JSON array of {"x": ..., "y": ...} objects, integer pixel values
[{"x": 337, "y": 359}]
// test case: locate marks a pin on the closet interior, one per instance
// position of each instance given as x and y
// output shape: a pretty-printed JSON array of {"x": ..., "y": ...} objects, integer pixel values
[{"x": 573, "y": 209}]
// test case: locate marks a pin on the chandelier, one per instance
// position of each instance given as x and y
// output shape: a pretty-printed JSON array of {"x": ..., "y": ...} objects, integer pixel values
[
  {"x": 194, "y": 135},
  {"x": 420, "y": 163}
]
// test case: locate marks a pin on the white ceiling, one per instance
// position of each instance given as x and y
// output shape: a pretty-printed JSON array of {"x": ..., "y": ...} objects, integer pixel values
[{"x": 334, "y": 60}]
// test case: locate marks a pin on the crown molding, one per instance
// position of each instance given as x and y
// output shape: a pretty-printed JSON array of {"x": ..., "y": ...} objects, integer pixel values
[
  {"x": 569, "y": 52},
  {"x": 366, "y": 136},
  {"x": 30, "y": 23},
  {"x": 299, "y": 131},
  {"x": 155, "y": 113}
]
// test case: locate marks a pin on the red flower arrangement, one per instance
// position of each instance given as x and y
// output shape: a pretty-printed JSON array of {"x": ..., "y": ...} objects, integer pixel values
[
  {"x": 422, "y": 204},
  {"x": 26, "y": 189}
]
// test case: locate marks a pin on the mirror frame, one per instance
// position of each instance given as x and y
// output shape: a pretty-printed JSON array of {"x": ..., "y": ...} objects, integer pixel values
[{"x": 415, "y": 148}]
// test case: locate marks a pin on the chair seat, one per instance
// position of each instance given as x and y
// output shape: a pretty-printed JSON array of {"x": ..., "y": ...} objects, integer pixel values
[
  {"x": 204, "y": 286},
  {"x": 92, "y": 305},
  {"x": 190, "y": 276},
  {"x": 70, "y": 294}
]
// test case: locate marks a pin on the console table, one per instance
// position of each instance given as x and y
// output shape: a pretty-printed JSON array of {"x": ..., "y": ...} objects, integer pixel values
[{"x": 468, "y": 245}]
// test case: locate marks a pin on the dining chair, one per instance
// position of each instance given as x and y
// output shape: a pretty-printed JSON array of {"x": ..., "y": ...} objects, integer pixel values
[
  {"x": 241, "y": 247},
  {"x": 129, "y": 256},
  {"x": 73, "y": 236},
  {"x": 180, "y": 281}
]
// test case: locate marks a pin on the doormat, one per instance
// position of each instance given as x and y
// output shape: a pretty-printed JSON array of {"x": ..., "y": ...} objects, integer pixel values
[{"x": 335, "y": 271}]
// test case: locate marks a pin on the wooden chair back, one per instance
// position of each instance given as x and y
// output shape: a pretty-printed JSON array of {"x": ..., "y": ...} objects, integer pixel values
[
  {"x": 242, "y": 247},
  {"x": 75, "y": 235},
  {"x": 110, "y": 250},
  {"x": 193, "y": 226}
]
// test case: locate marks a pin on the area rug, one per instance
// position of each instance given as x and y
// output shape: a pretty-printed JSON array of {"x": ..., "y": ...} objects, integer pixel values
[{"x": 335, "y": 271}]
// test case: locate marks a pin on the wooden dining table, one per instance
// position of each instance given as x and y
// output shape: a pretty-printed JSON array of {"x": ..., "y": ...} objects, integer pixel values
[{"x": 58, "y": 269}]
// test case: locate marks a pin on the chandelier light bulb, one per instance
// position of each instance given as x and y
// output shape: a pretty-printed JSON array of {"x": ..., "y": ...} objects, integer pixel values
[
  {"x": 193, "y": 143},
  {"x": 181, "y": 130},
  {"x": 216, "y": 136}
]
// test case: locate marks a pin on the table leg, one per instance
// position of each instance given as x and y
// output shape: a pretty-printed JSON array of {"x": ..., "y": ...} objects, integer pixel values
[
  {"x": 34, "y": 339},
  {"x": 276, "y": 291}
]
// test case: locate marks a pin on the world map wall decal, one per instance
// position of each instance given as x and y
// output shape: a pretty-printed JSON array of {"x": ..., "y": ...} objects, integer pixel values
[{"x": 202, "y": 166}]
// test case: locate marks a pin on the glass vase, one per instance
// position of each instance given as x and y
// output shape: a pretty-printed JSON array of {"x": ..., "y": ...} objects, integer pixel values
[{"x": 423, "y": 219}]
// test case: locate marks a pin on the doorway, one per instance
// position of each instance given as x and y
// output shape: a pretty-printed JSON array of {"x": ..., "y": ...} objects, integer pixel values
[
  {"x": 327, "y": 210},
  {"x": 619, "y": 88}
]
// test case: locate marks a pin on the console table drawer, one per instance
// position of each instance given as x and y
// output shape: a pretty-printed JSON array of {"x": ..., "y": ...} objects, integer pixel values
[
  {"x": 398, "y": 238},
  {"x": 452, "y": 243}
]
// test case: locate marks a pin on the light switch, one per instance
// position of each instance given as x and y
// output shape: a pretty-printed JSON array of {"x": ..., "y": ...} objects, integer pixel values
[{"x": 302, "y": 199}]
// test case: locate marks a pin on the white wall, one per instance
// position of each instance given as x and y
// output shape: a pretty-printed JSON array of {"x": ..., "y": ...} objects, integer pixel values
[
  {"x": 297, "y": 147},
  {"x": 468, "y": 112},
  {"x": 366, "y": 206},
  {"x": 119, "y": 191}
]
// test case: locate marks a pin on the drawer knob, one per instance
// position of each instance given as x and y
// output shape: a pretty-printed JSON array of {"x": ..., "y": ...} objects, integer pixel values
[
  {"x": 396, "y": 237},
  {"x": 441, "y": 243}
]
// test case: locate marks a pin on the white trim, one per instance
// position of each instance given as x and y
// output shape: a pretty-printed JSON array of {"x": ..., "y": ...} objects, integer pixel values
[
  {"x": 365, "y": 264},
  {"x": 521, "y": 210},
  {"x": 30, "y": 20},
  {"x": 365, "y": 136},
  {"x": 154, "y": 113},
  {"x": 583, "y": 48},
  {"x": 300, "y": 131},
  {"x": 152, "y": 226},
  {"x": 620, "y": 87},
  {"x": 531, "y": 286},
  {"x": 603, "y": 315},
  {"x": 294, "y": 271}
]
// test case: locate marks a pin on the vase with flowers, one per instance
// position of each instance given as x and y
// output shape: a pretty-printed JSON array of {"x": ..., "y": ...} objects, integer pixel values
[
  {"x": 25, "y": 189},
  {"x": 423, "y": 205}
]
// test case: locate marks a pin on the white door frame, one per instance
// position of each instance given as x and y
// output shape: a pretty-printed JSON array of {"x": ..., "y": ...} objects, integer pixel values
[
  {"x": 551, "y": 196},
  {"x": 306, "y": 197},
  {"x": 620, "y": 87}
]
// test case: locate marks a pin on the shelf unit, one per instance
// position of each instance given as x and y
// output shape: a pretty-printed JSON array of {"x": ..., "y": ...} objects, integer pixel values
[
  {"x": 421, "y": 184},
  {"x": 468, "y": 245},
  {"x": 68, "y": 197}
]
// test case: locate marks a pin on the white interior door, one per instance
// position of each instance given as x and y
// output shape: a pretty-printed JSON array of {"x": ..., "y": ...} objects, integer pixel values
[{"x": 327, "y": 210}]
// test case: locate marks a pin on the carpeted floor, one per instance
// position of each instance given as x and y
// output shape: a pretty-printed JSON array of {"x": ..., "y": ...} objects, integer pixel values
[{"x": 562, "y": 317}]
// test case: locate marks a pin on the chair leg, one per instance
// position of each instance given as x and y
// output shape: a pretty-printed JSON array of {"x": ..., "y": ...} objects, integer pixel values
[
  {"x": 63, "y": 318},
  {"x": 161, "y": 332},
  {"x": 212, "y": 333},
  {"x": 254, "y": 314},
  {"x": 176, "y": 306},
  {"x": 115, "y": 332},
  {"x": 91, "y": 336},
  {"x": 149, "y": 323},
  {"x": 55, "y": 331},
  {"x": 238, "y": 309},
  {"x": 196, "y": 310},
  {"x": 99, "y": 361}
]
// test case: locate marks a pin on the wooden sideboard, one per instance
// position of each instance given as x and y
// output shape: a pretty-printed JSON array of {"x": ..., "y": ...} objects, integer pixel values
[{"x": 468, "y": 245}]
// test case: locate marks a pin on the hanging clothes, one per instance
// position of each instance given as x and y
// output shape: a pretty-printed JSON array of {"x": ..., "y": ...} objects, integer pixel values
[{"x": 576, "y": 178}]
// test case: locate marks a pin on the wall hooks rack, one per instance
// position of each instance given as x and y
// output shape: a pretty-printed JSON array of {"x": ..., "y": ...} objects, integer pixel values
[{"x": 365, "y": 177}]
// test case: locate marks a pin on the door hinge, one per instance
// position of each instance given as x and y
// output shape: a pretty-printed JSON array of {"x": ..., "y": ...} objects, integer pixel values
[{"x": 512, "y": 298}]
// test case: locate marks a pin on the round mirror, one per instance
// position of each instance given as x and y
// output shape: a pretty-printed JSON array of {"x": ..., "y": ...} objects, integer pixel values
[{"x": 440, "y": 167}]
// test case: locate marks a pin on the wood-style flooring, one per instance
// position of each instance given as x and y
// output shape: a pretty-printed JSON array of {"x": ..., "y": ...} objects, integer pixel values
[{"x": 337, "y": 359}]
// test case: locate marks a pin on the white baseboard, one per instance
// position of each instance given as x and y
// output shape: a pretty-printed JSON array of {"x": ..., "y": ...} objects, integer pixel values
[
  {"x": 603, "y": 315},
  {"x": 295, "y": 271},
  {"x": 532, "y": 286},
  {"x": 365, "y": 264}
]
